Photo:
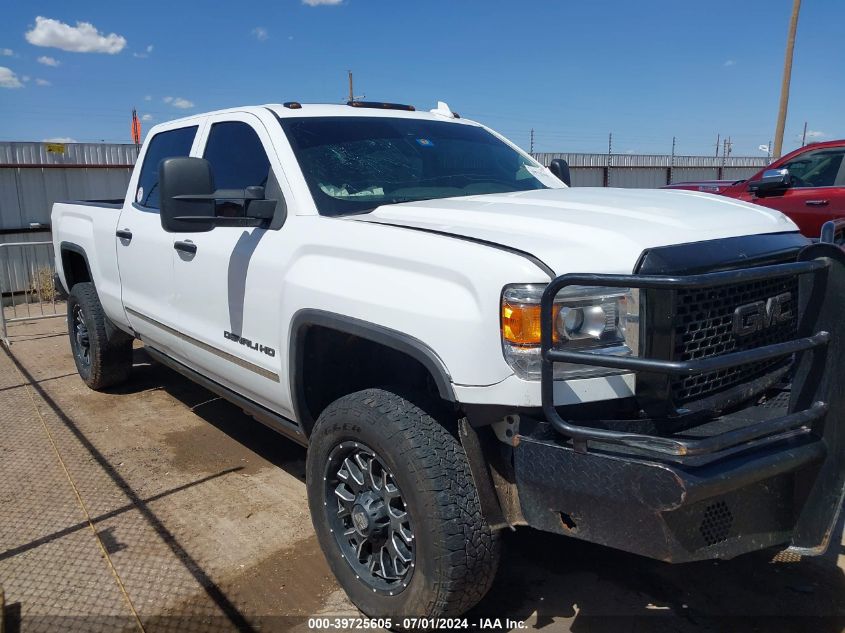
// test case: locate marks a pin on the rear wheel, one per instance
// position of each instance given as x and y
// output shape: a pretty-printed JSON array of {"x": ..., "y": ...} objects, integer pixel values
[
  {"x": 102, "y": 353},
  {"x": 395, "y": 509}
]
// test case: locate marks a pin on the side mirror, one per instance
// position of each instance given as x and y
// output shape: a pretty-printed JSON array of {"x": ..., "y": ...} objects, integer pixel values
[
  {"x": 189, "y": 202},
  {"x": 773, "y": 181},
  {"x": 560, "y": 168},
  {"x": 180, "y": 177}
]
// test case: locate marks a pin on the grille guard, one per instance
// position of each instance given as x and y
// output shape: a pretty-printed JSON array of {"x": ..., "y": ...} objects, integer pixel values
[{"x": 804, "y": 413}]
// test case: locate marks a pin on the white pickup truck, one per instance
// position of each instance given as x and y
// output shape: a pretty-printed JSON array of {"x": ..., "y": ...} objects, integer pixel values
[{"x": 466, "y": 344}]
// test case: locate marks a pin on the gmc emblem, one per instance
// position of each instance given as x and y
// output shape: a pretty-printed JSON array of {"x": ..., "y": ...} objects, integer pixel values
[{"x": 757, "y": 316}]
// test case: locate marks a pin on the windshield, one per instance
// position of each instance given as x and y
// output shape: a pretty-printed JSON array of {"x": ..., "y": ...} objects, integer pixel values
[{"x": 355, "y": 164}]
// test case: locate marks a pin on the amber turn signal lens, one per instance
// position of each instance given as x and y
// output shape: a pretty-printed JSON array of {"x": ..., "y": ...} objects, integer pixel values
[{"x": 521, "y": 323}]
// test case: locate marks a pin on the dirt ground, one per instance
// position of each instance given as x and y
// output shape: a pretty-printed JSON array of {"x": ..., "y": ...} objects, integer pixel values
[{"x": 158, "y": 507}]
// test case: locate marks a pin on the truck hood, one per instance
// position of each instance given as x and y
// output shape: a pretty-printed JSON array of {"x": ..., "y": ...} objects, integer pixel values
[{"x": 586, "y": 229}]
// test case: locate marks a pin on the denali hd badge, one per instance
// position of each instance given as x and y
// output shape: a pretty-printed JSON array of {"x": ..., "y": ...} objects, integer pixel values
[
  {"x": 245, "y": 341},
  {"x": 757, "y": 316}
]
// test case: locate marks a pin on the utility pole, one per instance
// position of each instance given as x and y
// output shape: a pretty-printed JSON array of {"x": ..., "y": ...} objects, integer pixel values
[
  {"x": 671, "y": 164},
  {"x": 531, "y": 151},
  {"x": 352, "y": 96},
  {"x": 718, "y": 138},
  {"x": 787, "y": 76},
  {"x": 609, "y": 159},
  {"x": 804, "y": 135}
]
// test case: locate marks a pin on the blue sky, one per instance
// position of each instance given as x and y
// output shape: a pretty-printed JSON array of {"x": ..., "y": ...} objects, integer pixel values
[{"x": 573, "y": 71}]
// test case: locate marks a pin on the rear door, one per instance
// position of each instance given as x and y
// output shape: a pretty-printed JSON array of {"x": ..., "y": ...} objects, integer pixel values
[
  {"x": 145, "y": 251},
  {"x": 818, "y": 191}
]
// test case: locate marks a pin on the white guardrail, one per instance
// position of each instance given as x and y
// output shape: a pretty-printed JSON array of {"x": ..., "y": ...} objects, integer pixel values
[{"x": 27, "y": 284}]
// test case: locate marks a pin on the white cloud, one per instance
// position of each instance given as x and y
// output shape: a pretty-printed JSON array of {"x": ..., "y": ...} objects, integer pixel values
[
  {"x": 147, "y": 117},
  {"x": 144, "y": 55},
  {"x": 148, "y": 98},
  {"x": 816, "y": 134},
  {"x": 729, "y": 62},
  {"x": 82, "y": 38},
  {"x": 179, "y": 102},
  {"x": 60, "y": 139},
  {"x": 42, "y": 82},
  {"x": 260, "y": 33},
  {"x": 48, "y": 61},
  {"x": 8, "y": 79},
  {"x": 314, "y": 3},
  {"x": 7, "y": 52},
  {"x": 25, "y": 78}
]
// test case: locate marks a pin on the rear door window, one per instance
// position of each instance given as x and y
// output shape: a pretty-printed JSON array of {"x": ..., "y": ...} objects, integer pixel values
[{"x": 168, "y": 144}]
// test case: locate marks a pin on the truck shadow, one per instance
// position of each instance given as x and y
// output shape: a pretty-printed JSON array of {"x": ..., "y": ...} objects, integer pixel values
[{"x": 281, "y": 452}]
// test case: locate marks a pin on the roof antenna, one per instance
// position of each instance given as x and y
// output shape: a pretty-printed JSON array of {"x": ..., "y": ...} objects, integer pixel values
[{"x": 443, "y": 109}]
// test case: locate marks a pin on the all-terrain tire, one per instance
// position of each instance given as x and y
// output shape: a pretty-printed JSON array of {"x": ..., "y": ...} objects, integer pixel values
[
  {"x": 456, "y": 552},
  {"x": 102, "y": 353}
]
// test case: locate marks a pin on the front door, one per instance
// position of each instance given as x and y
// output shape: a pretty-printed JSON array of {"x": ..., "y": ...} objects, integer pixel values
[{"x": 227, "y": 291}]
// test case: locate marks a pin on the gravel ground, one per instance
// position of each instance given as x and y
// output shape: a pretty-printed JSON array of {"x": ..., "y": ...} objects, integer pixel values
[{"x": 159, "y": 507}]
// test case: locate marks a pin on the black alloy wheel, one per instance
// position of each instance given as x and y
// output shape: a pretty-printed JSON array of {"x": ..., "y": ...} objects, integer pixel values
[
  {"x": 369, "y": 518},
  {"x": 82, "y": 349}
]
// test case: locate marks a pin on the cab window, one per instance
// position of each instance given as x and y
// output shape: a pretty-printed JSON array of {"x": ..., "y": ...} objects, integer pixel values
[{"x": 168, "y": 144}]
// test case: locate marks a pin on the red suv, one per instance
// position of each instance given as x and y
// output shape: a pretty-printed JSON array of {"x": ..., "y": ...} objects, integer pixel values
[{"x": 808, "y": 185}]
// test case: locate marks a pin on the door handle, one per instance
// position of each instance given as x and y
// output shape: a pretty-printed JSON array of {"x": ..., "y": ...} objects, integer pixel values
[
  {"x": 185, "y": 247},
  {"x": 816, "y": 203},
  {"x": 124, "y": 234}
]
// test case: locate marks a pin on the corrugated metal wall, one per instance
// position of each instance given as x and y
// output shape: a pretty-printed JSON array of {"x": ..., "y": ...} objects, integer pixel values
[
  {"x": 652, "y": 170},
  {"x": 32, "y": 178},
  {"x": 35, "y": 175},
  {"x": 98, "y": 154}
]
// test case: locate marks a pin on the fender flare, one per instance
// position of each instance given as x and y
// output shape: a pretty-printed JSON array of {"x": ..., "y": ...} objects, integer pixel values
[
  {"x": 73, "y": 248},
  {"x": 306, "y": 318}
]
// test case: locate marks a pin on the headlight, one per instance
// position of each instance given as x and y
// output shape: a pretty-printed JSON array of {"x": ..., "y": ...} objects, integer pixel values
[{"x": 602, "y": 319}]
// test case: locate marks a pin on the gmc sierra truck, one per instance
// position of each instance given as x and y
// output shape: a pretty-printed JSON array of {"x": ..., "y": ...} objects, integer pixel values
[{"x": 465, "y": 344}]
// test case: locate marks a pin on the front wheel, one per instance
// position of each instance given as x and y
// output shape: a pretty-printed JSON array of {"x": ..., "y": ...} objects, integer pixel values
[{"x": 395, "y": 509}]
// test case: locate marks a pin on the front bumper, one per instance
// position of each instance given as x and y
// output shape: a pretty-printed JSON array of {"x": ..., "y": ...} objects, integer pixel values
[
  {"x": 775, "y": 478},
  {"x": 666, "y": 511}
]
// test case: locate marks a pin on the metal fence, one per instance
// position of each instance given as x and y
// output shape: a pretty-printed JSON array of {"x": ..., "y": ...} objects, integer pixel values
[{"x": 27, "y": 284}]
